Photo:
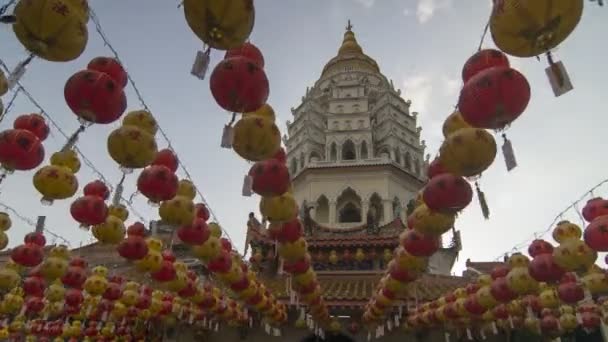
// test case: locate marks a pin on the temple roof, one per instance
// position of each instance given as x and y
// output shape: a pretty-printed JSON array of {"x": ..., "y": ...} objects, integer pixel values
[{"x": 349, "y": 51}]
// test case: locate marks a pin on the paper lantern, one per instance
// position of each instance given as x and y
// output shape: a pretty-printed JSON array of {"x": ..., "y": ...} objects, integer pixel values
[
  {"x": 111, "y": 67},
  {"x": 468, "y": 152},
  {"x": 95, "y": 97},
  {"x": 238, "y": 85}
]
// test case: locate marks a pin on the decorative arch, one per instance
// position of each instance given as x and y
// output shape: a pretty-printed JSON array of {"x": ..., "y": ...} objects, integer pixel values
[
  {"x": 384, "y": 150},
  {"x": 349, "y": 151},
  {"x": 397, "y": 156},
  {"x": 397, "y": 208},
  {"x": 363, "y": 152},
  {"x": 333, "y": 152},
  {"x": 408, "y": 160},
  {"x": 348, "y": 206},
  {"x": 375, "y": 202},
  {"x": 322, "y": 209},
  {"x": 314, "y": 156}
]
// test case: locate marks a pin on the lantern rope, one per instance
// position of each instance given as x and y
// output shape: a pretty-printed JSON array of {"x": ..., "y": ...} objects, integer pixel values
[
  {"x": 10, "y": 104},
  {"x": 558, "y": 217},
  {"x": 183, "y": 167},
  {"x": 83, "y": 157},
  {"x": 32, "y": 223}
]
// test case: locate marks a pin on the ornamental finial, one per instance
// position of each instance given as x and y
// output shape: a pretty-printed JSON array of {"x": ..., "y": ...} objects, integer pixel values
[{"x": 349, "y": 26}]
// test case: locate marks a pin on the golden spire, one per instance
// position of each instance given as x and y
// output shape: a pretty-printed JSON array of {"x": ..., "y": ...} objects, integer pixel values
[{"x": 349, "y": 44}]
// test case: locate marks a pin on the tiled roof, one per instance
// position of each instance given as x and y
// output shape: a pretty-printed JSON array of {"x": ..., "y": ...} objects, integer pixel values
[
  {"x": 357, "y": 288},
  {"x": 483, "y": 266}
]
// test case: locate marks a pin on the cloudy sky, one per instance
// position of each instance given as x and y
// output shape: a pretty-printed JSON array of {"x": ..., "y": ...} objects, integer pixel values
[{"x": 419, "y": 44}]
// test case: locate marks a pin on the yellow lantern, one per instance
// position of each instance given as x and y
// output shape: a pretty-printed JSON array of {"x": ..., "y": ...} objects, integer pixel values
[
  {"x": 430, "y": 222},
  {"x": 468, "y": 152},
  {"x": 132, "y": 147},
  {"x": 485, "y": 297},
  {"x": 152, "y": 262},
  {"x": 52, "y": 30},
  {"x": 141, "y": 119},
  {"x": 292, "y": 251},
  {"x": 306, "y": 278},
  {"x": 67, "y": 158},
  {"x": 5, "y": 221},
  {"x": 186, "y": 189},
  {"x": 567, "y": 319},
  {"x": 265, "y": 112},
  {"x": 548, "y": 296},
  {"x": 111, "y": 232},
  {"x": 595, "y": 281},
  {"x": 129, "y": 294},
  {"x": 221, "y": 24},
  {"x": 281, "y": 208},
  {"x": 96, "y": 283},
  {"x": 119, "y": 211},
  {"x": 55, "y": 292},
  {"x": 333, "y": 257},
  {"x": 406, "y": 261},
  {"x": 55, "y": 183},
  {"x": 359, "y": 255},
  {"x": 215, "y": 229},
  {"x": 3, "y": 240},
  {"x": 3, "y": 83},
  {"x": 177, "y": 211},
  {"x": 209, "y": 250},
  {"x": 256, "y": 138},
  {"x": 179, "y": 283},
  {"x": 453, "y": 123},
  {"x": 9, "y": 277},
  {"x": 519, "y": 279},
  {"x": 530, "y": 28},
  {"x": 56, "y": 264}
]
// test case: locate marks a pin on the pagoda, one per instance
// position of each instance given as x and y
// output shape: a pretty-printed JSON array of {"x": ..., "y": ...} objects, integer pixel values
[{"x": 356, "y": 159}]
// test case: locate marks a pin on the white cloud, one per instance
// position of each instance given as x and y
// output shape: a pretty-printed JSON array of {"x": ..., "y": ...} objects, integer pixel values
[
  {"x": 419, "y": 89},
  {"x": 451, "y": 86},
  {"x": 366, "y": 3},
  {"x": 426, "y": 8},
  {"x": 407, "y": 12}
]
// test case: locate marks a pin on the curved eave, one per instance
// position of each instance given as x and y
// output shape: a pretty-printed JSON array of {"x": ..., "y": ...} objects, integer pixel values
[{"x": 351, "y": 57}]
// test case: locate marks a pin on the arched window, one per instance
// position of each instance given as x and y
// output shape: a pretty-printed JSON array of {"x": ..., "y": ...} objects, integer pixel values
[
  {"x": 417, "y": 166},
  {"x": 397, "y": 156},
  {"x": 314, "y": 156},
  {"x": 333, "y": 152},
  {"x": 376, "y": 202},
  {"x": 396, "y": 208},
  {"x": 364, "y": 150},
  {"x": 294, "y": 166},
  {"x": 322, "y": 210},
  {"x": 408, "y": 161},
  {"x": 348, "y": 151},
  {"x": 348, "y": 207},
  {"x": 384, "y": 152}
]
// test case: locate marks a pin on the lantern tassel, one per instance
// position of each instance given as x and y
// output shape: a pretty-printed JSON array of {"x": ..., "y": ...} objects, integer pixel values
[
  {"x": 508, "y": 154},
  {"x": 482, "y": 202}
]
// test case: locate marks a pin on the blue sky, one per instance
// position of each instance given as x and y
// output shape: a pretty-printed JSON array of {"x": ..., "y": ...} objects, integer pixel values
[{"x": 419, "y": 44}]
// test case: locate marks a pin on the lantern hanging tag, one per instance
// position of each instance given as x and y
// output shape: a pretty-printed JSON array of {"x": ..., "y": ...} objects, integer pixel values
[
  {"x": 482, "y": 202},
  {"x": 228, "y": 134},
  {"x": 369, "y": 335},
  {"x": 558, "y": 76},
  {"x": 389, "y": 325},
  {"x": 40, "y": 224},
  {"x": 508, "y": 154},
  {"x": 18, "y": 72},
  {"x": 482, "y": 334},
  {"x": 201, "y": 64},
  {"x": 267, "y": 328},
  {"x": 469, "y": 334},
  {"x": 396, "y": 319},
  {"x": 247, "y": 183},
  {"x": 217, "y": 327}
]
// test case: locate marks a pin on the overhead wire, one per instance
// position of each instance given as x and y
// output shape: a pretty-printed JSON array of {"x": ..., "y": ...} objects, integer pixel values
[
  {"x": 182, "y": 166},
  {"x": 31, "y": 223}
]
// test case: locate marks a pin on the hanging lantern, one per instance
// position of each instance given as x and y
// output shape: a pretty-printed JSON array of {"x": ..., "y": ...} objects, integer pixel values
[
  {"x": 89, "y": 210},
  {"x": 201, "y": 211},
  {"x": 594, "y": 208},
  {"x": 221, "y": 24},
  {"x": 519, "y": 279},
  {"x": 530, "y": 29},
  {"x": 256, "y": 138},
  {"x": 195, "y": 233},
  {"x": 447, "y": 193},
  {"x": 20, "y": 150},
  {"x": 596, "y": 234},
  {"x": 34, "y": 123},
  {"x": 238, "y": 85},
  {"x": 453, "y": 123},
  {"x": 95, "y": 97},
  {"x": 494, "y": 98},
  {"x": 279, "y": 208},
  {"x": 177, "y": 211},
  {"x": 430, "y": 222},
  {"x": 265, "y": 112},
  {"x": 141, "y": 119},
  {"x": 270, "y": 178},
  {"x": 54, "y": 31},
  {"x": 157, "y": 183},
  {"x": 56, "y": 263},
  {"x": 66, "y": 158},
  {"x": 3, "y": 84},
  {"x": 112, "y": 230},
  {"x": 29, "y": 254},
  {"x": 55, "y": 182},
  {"x": 249, "y": 51},
  {"x": 418, "y": 244},
  {"x": 482, "y": 60},
  {"x": 167, "y": 158},
  {"x": 468, "y": 152},
  {"x": 134, "y": 247},
  {"x": 111, "y": 67},
  {"x": 132, "y": 147}
]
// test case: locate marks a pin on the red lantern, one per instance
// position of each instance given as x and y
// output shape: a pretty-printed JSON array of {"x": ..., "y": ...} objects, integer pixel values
[
  {"x": 95, "y": 97},
  {"x": 168, "y": 255},
  {"x": 226, "y": 245},
  {"x": 28, "y": 255},
  {"x": 20, "y": 150},
  {"x": 34, "y": 305},
  {"x": 220, "y": 264},
  {"x": 569, "y": 291},
  {"x": 482, "y": 60},
  {"x": 201, "y": 211},
  {"x": 74, "y": 277},
  {"x": 165, "y": 273},
  {"x": 97, "y": 188},
  {"x": 494, "y": 98},
  {"x": 196, "y": 233},
  {"x": 447, "y": 193},
  {"x": 111, "y": 67},
  {"x": 299, "y": 266},
  {"x": 270, "y": 178},
  {"x": 596, "y": 234},
  {"x": 290, "y": 231},
  {"x": 418, "y": 244},
  {"x": 549, "y": 324},
  {"x": 34, "y": 123},
  {"x": 500, "y": 271},
  {"x": 280, "y": 155},
  {"x": 136, "y": 229},
  {"x": 89, "y": 210},
  {"x": 249, "y": 51},
  {"x": 435, "y": 168},
  {"x": 238, "y": 85},
  {"x": 399, "y": 274},
  {"x": 538, "y": 247},
  {"x": 500, "y": 290},
  {"x": 543, "y": 268},
  {"x": 143, "y": 301},
  {"x": 471, "y": 304},
  {"x": 113, "y": 291},
  {"x": 133, "y": 248},
  {"x": 188, "y": 291},
  {"x": 594, "y": 208},
  {"x": 36, "y": 238},
  {"x": 157, "y": 183},
  {"x": 167, "y": 158},
  {"x": 33, "y": 286}
]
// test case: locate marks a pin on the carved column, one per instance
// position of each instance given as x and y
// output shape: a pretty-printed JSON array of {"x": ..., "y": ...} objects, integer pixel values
[
  {"x": 332, "y": 212},
  {"x": 388, "y": 210},
  {"x": 364, "y": 210}
]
